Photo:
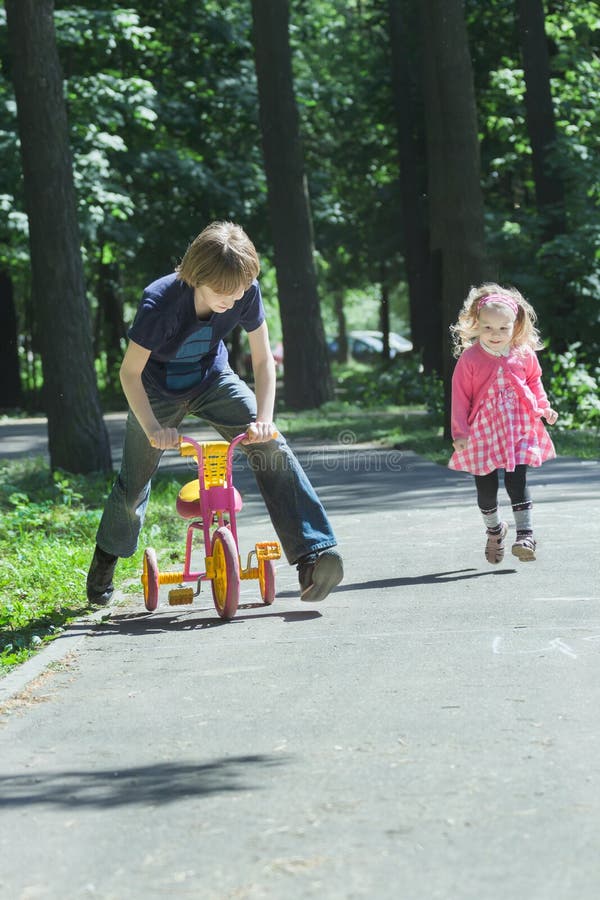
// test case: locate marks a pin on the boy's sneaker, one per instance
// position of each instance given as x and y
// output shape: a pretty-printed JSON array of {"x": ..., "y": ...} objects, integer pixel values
[
  {"x": 524, "y": 546},
  {"x": 100, "y": 577},
  {"x": 318, "y": 574}
]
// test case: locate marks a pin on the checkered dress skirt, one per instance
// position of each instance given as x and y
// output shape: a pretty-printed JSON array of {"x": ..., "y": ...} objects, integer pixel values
[{"x": 504, "y": 434}]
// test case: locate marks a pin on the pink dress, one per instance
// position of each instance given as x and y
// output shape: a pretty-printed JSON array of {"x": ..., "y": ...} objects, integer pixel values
[{"x": 504, "y": 433}]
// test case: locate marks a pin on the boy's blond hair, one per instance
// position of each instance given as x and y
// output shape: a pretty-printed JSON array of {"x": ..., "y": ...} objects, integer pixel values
[
  {"x": 465, "y": 332},
  {"x": 222, "y": 257}
]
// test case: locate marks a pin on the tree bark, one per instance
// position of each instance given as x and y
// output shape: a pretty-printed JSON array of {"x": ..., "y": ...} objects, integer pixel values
[
  {"x": 307, "y": 379},
  {"x": 110, "y": 328},
  {"x": 384, "y": 314},
  {"x": 424, "y": 304},
  {"x": 10, "y": 380},
  {"x": 342, "y": 331},
  {"x": 77, "y": 436},
  {"x": 549, "y": 186},
  {"x": 455, "y": 197},
  {"x": 234, "y": 346}
]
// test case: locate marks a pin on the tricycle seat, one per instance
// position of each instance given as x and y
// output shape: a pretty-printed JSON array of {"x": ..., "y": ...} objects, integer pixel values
[{"x": 218, "y": 500}]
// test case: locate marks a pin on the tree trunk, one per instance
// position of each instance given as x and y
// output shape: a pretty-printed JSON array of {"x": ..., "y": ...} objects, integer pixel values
[
  {"x": 340, "y": 317},
  {"x": 549, "y": 187},
  {"x": 384, "y": 314},
  {"x": 424, "y": 304},
  {"x": 455, "y": 197},
  {"x": 307, "y": 380},
  {"x": 77, "y": 436},
  {"x": 10, "y": 380},
  {"x": 31, "y": 353},
  {"x": 234, "y": 346},
  {"x": 110, "y": 331}
]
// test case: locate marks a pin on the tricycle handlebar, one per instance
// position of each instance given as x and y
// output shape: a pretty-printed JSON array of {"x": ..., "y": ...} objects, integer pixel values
[{"x": 190, "y": 447}]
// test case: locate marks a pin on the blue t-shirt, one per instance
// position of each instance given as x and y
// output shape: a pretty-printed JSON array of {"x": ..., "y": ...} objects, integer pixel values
[{"x": 187, "y": 353}]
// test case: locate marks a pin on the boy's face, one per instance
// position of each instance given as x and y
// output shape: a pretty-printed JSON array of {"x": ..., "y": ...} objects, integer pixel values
[{"x": 207, "y": 300}]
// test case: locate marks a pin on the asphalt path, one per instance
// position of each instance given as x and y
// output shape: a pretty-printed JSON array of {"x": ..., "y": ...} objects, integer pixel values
[{"x": 429, "y": 731}]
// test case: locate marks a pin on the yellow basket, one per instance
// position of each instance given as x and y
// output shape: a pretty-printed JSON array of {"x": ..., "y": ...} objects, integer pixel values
[{"x": 214, "y": 456}]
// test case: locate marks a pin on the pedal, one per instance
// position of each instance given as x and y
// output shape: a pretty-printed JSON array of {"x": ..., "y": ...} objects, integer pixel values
[
  {"x": 268, "y": 550},
  {"x": 181, "y": 596}
]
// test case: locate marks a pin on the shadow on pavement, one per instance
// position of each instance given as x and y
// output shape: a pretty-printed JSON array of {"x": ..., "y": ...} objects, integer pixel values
[
  {"x": 434, "y": 578},
  {"x": 141, "y": 785},
  {"x": 151, "y": 623}
]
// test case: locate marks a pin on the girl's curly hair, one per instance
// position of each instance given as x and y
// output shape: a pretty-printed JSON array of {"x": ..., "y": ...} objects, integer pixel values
[{"x": 466, "y": 330}]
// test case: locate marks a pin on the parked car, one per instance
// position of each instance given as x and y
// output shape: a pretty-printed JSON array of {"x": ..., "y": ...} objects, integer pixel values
[{"x": 366, "y": 346}]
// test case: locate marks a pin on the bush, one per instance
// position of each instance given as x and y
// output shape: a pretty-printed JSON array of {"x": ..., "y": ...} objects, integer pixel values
[
  {"x": 573, "y": 388},
  {"x": 401, "y": 382}
]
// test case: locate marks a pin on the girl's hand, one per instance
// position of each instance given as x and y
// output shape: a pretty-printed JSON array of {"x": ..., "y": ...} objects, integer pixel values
[
  {"x": 459, "y": 444},
  {"x": 550, "y": 415},
  {"x": 260, "y": 432},
  {"x": 164, "y": 438}
]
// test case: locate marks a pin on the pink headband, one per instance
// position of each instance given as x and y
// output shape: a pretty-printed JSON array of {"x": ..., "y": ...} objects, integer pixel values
[{"x": 499, "y": 298}]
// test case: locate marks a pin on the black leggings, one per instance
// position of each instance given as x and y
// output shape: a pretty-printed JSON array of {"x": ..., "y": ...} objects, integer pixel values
[{"x": 514, "y": 482}]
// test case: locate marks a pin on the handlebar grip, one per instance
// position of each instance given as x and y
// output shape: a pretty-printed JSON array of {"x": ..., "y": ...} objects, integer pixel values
[
  {"x": 186, "y": 449},
  {"x": 241, "y": 437}
]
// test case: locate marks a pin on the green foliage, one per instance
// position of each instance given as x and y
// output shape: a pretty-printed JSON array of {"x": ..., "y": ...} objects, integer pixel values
[
  {"x": 580, "y": 443},
  {"x": 164, "y": 132},
  {"x": 48, "y": 524},
  {"x": 44, "y": 527},
  {"x": 565, "y": 270},
  {"x": 574, "y": 389},
  {"x": 350, "y": 139},
  {"x": 401, "y": 382},
  {"x": 163, "y": 112}
]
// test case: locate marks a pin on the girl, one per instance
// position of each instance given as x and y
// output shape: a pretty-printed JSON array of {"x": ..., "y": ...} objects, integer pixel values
[{"x": 498, "y": 402}]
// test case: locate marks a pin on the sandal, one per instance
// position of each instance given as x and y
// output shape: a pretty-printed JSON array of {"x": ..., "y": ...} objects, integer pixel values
[
  {"x": 494, "y": 548},
  {"x": 524, "y": 548}
]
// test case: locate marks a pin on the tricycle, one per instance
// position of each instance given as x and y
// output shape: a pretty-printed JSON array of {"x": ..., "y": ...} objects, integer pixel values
[{"x": 210, "y": 503}]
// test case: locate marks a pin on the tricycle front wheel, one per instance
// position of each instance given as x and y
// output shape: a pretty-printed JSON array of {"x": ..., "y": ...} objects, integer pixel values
[
  {"x": 226, "y": 580},
  {"x": 266, "y": 580},
  {"x": 150, "y": 580}
]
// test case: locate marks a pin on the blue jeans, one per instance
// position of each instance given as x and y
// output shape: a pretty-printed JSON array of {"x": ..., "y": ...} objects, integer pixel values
[{"x": 229, "y": 406}]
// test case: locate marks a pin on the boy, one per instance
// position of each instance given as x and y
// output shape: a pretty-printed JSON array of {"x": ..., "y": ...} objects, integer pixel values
[{"x": 176, "y": 365}]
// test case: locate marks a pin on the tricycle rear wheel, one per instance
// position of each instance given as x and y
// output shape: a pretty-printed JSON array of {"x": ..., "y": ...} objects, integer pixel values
[{"x": 266, "y": 580}]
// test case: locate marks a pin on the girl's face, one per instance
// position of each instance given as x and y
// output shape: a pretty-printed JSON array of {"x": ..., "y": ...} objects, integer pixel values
[{"x": 495, "y": 327}]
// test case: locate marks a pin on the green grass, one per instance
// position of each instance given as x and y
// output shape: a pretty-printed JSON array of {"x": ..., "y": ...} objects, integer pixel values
[
  {"x": 406, "y": 428},
  {"x": 47, "y": 533},
  {"x": 48, "y": 523},
  {"x": 582, "y": 443}
]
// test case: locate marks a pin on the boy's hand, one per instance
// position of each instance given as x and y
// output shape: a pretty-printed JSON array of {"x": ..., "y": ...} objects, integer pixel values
[
  {"x": 260, "y": 432},
  {"x": 550, "y": 415},
  {"x": 164, "y": 438},
  {"x": 459, "y": 444}
]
